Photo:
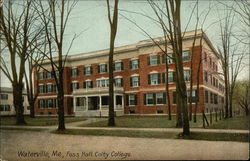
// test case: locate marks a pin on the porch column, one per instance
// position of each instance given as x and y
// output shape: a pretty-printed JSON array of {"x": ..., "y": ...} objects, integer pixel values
[
  {"x": 74, "y": 104},
  {"x": 87, "y": 104},
  {"x": 122, "y": 101},
  {"x": 114, "y": 101},
  {"x": 100, "y": 103}
]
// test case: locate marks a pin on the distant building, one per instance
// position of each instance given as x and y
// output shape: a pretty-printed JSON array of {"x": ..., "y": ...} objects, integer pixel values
[
  {"x": 6, "y": 102},
  {"x": 139, "y": 73}
]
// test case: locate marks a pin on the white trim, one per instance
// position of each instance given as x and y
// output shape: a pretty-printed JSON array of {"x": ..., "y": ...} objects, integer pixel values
[
  {"x": 74, "y": 81},
  {"x": 132, "y": 91},
  {"x": 118, "y": 61},
  {"x": 40, "y": 84},
  {"x": 102, "y": 78},
  {"x": 118, "y": 76},
  {"x": 154, "y": 72},
  {"x": 48, "y": 83},
  {"x": 88, "y": 80},
  {"x": 74, "y": 67},
  {"x": 102, "y": 63},
  {"x": 134, "y": 75},
  {"x": 88, "y": 65},
  {"x": 134, "y": 58}
]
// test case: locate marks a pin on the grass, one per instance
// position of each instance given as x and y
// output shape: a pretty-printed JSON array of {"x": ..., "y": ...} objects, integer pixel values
[
  {"x": 144, "y": 122},
  {"x": 163, "y": 122},
  {"x": 22, "y": 129},
  {"x": 241, "y": 123},
  {"x": 39, "y": 121},
  {"x": 158, "y": 134}
]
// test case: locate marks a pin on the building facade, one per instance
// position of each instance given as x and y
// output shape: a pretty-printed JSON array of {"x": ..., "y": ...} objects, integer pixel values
[
  {"x": 6, "y": 102},
  {"x": 140, "y": 76}
]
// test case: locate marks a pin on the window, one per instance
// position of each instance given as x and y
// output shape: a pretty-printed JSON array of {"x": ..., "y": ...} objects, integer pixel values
[
  {"x": 132, "y": 99},
  {"x": 102, "y": 83},
  {"x": 3, "y": 96},
  {"x": 149, "y": 98},
  {"x": 75, "y": 85},
  {"x": 118, "y": 66},
  {"x": 171, "y": 77},
  {"x": 4, "y": 107},
  {"x": 80, "y": 101},
  {"x": 102, "y": 68},
  {"x": 170, "y": 58},
  {"x": 41, "y": 89},
  {"x": 118, "y": 82},
  {"x": 206, "y": 97},
  {"x": 186, "y": 55},
  {"x": 153, "y": 60},
  {"x": 49, "y": 88},
  {"x": 187, "y": 75},
  {"x": 174, "y": 98},
  {"x": 211, "y": 98},
  {"x": 48, "y": 75},
  {"x": 134, "y": 64},
  {"x": 40, "y": 76},
  {"x": 159, "y": 99},
  {"x": 41, "y": 104},
  {"x": 154, "y": 79},
  {"x": 88, "y": 84},
  {"x": 88, "y": 70},
  {"x": 215, "y": 99},
  {"x": 74, "y": 72},
  {"x": 194, "y": 96},
  {"x": 134, "y": 81},
  {"x": 50, "y": 103},
  {"x": 206, "y": 76}
]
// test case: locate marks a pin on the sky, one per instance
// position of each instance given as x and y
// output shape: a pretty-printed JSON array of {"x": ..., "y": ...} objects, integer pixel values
[{"x": 89, "y": 22}]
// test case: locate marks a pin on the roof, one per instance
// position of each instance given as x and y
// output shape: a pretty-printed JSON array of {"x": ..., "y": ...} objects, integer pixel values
[{"x": 136, "y": 46}]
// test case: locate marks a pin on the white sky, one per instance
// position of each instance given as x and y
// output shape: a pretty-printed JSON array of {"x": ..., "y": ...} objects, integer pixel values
[{"x": 90, "y": 19}]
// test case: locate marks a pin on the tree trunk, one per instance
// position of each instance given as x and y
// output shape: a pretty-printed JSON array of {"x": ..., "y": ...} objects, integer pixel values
[
  {"x": 32, "y": 109},
  {"x": 18, "y": 103},
  {"x": 178, "y": 111},
  {"x": 60, "y": 98}
]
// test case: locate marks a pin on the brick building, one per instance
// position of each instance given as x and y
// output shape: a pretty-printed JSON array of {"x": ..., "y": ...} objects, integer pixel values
[{"x": 139, "y": 80}]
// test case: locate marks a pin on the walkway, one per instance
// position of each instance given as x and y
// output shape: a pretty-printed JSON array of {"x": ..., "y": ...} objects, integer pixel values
[{"x": 77, "y": 147}]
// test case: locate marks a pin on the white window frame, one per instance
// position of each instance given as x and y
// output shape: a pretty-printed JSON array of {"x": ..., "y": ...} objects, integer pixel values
[
  {"x": 147, "y": 97},
  {"x": 118, "y": 83},
  {"x": 131, "y": 97},
  {"x": 135, "y": 81},
  {"x": 157, "y": 96},
  {"x": 154, "y": 76},
  {"x": 87, "y": 70},
  {"x": 153, "y": 59},
  {"x": 134, "y": 65},
  {"x": 118, "y": 66}
]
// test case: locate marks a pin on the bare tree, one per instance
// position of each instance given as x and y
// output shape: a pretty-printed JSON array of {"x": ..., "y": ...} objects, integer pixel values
[
  {"x": 243, "y": 100},
  {"x": 35, "y": 57},
  {"x": 230, "y": 59},
  {"x": 54, "y": 17},
  {"x": 19, "y": 29},
  {"x": 113, "y": 30}
]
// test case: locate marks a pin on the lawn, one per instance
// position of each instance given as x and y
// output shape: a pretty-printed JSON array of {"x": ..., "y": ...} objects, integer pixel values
[
  {"x": 241, "y": 123},
  {"x": 39, "y": 121},
  {"x": 159, "y": 134},
  {"x": 163, "y": 122},
  {"x": 144, "y": 122}
]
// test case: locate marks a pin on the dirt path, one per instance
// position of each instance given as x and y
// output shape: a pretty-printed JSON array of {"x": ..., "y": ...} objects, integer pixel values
[{"x": 70, "y": 147}]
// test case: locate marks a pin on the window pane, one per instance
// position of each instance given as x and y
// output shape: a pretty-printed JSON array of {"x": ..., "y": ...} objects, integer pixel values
[
  {"x": 159, "y": 98},
  {"x": 149, "y": 98},
  {"x": 153, "y": 60},
  {"x": 154, "y": 79}
]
